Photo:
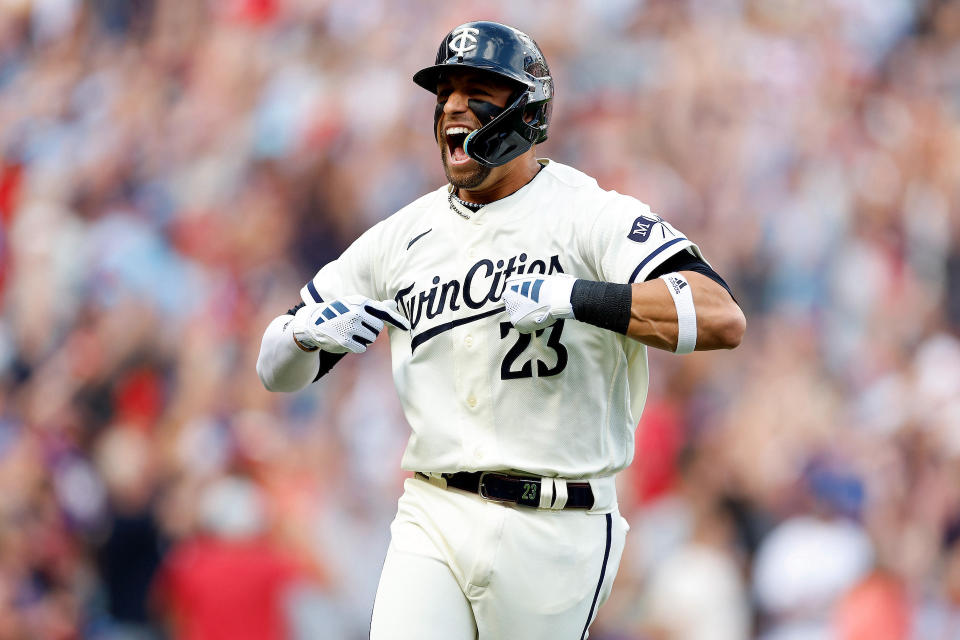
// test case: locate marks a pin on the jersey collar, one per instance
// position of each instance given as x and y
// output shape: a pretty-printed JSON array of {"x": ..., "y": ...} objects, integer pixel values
[{"x": 491, "y": 208}]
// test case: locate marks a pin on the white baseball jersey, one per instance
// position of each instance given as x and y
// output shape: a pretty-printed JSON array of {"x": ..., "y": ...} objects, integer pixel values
[{"x": 478, "y": 395}]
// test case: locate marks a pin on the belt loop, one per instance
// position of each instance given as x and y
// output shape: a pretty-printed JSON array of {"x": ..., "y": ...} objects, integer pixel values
[
  {"x": 546, "y": 492},
  {"x": 436, "y": 480},
  {"x": 561, "y": 500}
]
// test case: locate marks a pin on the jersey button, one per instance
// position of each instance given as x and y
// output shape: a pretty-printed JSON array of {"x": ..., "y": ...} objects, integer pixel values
[
  {"x": 472, "y": 401},
  {"x": 468, "y": 341},
  {"x": 472, "y": 253}
]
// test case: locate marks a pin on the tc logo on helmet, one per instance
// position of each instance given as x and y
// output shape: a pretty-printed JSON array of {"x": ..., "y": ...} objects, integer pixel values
[{"x": 463, "y": 40}]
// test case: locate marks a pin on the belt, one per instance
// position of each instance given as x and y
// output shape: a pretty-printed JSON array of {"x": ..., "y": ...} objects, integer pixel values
[{"x": 538, "y": 493}]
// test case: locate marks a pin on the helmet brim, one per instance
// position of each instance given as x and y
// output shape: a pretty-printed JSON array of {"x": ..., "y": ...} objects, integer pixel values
[{"x": 428, "y": 77}]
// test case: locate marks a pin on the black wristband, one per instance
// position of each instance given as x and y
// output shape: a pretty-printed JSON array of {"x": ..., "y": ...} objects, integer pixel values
[{"x": 602, "y": 304}]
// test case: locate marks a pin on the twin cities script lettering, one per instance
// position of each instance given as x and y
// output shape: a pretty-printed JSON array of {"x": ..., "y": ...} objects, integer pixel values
[{"x": 483, "y": 283}]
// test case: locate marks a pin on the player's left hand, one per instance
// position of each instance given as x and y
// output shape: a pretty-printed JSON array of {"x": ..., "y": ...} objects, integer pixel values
[{"x": 537, "y": 301}]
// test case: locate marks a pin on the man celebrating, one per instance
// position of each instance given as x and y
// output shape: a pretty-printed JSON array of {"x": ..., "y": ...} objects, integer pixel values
[{"x": 521, "y": 299}]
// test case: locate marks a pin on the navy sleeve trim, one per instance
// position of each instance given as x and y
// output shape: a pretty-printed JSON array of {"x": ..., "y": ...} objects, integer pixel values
[
  {"x": 313, "y": 292},
  {"x": 654, "y": 254}
]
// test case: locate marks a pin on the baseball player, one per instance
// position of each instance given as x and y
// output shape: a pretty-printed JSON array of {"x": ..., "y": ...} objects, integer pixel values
[{"x": 519, "y": 300}]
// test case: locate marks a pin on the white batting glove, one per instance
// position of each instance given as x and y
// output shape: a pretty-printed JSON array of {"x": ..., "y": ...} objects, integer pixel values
[
  {"x": 536, "y": 301},
  {"x": 347, "y": 324}
]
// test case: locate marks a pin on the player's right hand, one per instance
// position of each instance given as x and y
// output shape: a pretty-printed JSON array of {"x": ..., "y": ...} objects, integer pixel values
[{"x": 347, "y": 324}]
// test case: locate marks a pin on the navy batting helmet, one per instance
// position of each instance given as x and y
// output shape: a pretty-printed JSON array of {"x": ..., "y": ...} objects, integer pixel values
[{"x": 512, "y": 55}]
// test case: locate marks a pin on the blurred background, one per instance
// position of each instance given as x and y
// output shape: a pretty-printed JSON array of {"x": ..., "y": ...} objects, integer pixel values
[{"x": 172, "y": 172}]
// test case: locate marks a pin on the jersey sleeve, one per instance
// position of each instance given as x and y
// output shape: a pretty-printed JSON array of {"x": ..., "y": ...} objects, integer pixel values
[
  {"x": 628, "y": 241},
  {"x": 354, "y": 272}
]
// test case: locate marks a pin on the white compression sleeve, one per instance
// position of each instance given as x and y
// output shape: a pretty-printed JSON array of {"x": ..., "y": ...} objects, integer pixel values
[
  {"x": 686, "y": 313},
  {"x": 282, "y": 365}
]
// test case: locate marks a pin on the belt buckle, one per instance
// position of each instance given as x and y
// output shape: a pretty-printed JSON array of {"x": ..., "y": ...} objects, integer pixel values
[{"x": 482, "y": 488}]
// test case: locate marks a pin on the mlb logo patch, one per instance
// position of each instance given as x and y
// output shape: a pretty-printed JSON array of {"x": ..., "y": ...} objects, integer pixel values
[{"x": 641, "y": 228}]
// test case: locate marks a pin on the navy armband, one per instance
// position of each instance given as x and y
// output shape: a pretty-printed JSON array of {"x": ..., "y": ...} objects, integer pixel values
[
  {"x": 684, "y": 261},
  {"x": 602, "y": 304}
]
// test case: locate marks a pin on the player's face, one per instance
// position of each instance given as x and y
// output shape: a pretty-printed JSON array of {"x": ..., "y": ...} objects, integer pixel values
[{"x": 457, "y": 120}]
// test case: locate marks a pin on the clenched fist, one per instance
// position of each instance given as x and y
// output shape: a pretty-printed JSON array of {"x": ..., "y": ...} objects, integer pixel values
[
  {"x": 537, "y": 301},
  {"x": 347, "y": 324}
]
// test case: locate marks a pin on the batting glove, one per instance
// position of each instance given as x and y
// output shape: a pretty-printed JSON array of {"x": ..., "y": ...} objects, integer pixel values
[
  {"x": 535, "y": 302},
  {"x": 347, "y": 324}
]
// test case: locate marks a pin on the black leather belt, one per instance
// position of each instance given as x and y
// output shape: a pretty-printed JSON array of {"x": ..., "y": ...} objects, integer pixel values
[{"x": 501, "y": 487}]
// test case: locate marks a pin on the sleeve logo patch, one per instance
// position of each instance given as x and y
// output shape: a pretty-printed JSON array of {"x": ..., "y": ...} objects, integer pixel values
[{"x": 642, "y": 227}]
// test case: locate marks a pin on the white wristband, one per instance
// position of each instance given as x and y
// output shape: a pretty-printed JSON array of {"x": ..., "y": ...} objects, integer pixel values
[{"x": 686, "y": 313}]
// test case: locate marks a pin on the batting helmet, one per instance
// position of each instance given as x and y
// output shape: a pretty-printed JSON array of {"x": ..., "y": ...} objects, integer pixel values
[{"x": 509, "y": 54}]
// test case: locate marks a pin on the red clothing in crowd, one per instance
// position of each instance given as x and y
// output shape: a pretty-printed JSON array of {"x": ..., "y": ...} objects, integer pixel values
[
  {"x": 226, "y": 590},
  {"x": 878, "y": 608}
]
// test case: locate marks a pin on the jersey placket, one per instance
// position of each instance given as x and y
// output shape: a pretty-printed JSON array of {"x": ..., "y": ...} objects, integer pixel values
[{"x": 474, "y": 362}]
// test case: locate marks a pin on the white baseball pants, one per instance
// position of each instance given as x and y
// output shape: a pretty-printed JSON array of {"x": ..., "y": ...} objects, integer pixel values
[{"x": 461, "y": 568}]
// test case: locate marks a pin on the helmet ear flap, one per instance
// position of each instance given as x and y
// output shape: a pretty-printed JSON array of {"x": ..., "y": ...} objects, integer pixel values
[
  {"x": 541, "y": 119},
  {"x": 535, "y": 114}
]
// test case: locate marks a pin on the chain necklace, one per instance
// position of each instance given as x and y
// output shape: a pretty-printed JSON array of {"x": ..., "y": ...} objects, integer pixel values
[{"x": 458, "y": 206}]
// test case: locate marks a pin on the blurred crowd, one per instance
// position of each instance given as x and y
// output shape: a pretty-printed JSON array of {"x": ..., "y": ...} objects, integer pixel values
[{"x": 172, "y": 172}]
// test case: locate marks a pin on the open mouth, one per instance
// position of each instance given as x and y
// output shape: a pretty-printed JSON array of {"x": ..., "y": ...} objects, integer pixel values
[{"x": 455, "y": 138}]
